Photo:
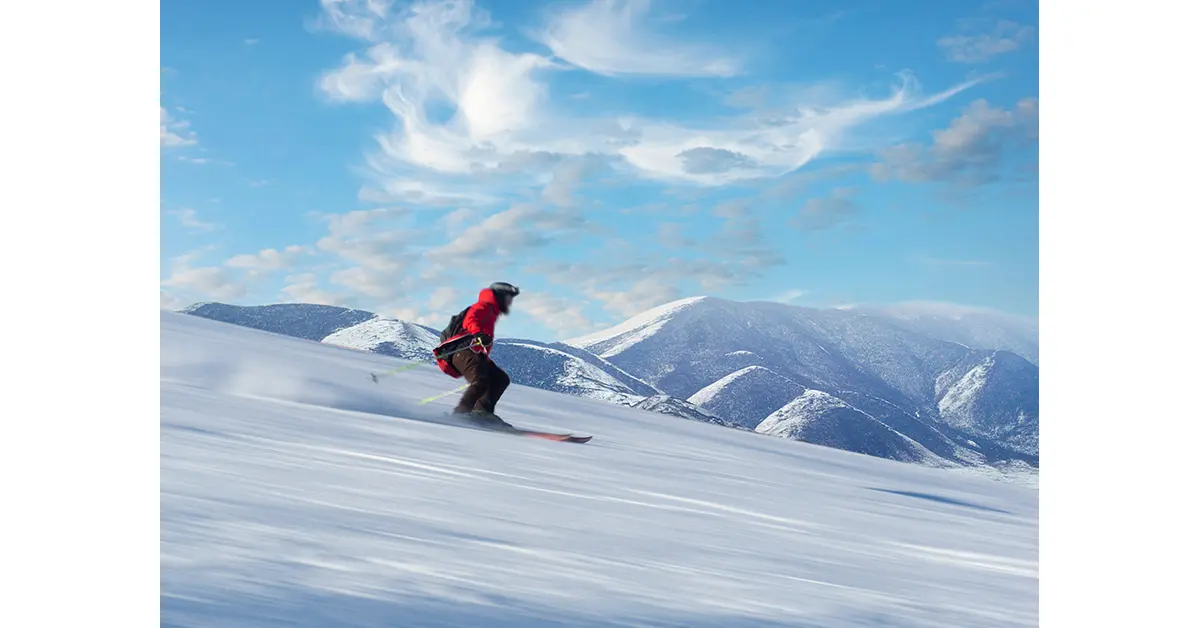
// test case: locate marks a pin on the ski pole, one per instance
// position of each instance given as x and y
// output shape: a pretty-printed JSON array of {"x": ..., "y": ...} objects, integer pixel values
[
  {"x": 445, "y": 394},
  {"x": 408, "y": 367}
]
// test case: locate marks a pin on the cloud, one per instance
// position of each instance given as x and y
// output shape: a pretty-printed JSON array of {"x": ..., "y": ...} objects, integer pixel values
[
  {"x": 790, "y": 296},
  {"x": 250, "y": 41},
  {"x": 709, "y": 160},
  {"x": 190, "y": 220},
  {"x": 967, "y": 153},
  {"x": 476, "y": 120},
  {"x": 381, "y": 246},
  {"x": 641, "y": 296},
  {"x": 563, "y": 315},
  {"x": 268, "y": 260},
  {"x": 822, "y": 214},
  {"x": 1005, "y": 37},
  {"x": 302, "y": 288},
  {"x": 170, "y": 130},
  {"x": 612, "y": 37},
  {"x": 522, "y": 226},
  {"x": 568, "y": 175},
  {"x": 210, "y": 282}
]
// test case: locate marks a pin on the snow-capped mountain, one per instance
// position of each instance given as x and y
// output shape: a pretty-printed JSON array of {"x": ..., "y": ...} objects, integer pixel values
[
  {"x": 548, "y": 367},
  {"x": 895, "y": 378},
  {"x": 747, "y": 396},
  {"x": 300, "y": 320},
  {"x": 822, "y": 419},
  {"x": 387, "y": 336},
  {"x": 993, "y": 396}
]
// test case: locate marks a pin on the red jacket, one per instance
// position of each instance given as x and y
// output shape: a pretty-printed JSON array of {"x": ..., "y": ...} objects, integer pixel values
[{"x": 480, "y": 318}]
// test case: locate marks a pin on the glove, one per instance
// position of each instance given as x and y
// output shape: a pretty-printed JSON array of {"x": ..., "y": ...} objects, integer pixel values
[{"x": 483, "y": 339}]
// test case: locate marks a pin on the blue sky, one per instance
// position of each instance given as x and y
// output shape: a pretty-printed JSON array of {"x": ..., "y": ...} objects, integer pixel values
[{"x": 606, "y": 156}]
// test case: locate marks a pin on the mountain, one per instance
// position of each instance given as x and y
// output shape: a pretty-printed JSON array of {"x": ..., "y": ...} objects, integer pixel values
[
  {"x": 993, "y": 396},
  {"x": 747, "y": 396},
  {"x": 666, "y": 404},
  {"x": 556, "y": 367},
  {"x": 973, "y": 327},
  {"x": 295, "y": 492},
  {"x": 300, "y": 320},
  {"x": 559, "y": 369},
  {"x": 911, "y": 394},
  {"x": 387, "y": 336},
  {"x": 822, "y": 419},
  {"x": 906, "y": 381}
]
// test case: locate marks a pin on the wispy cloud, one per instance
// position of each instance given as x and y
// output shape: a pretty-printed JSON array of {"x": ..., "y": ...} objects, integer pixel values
[
  {"x": 431, "y": 56},
  {"x": 822, "y": 214},
  {"x": 189, "y": 219},
  {"x": 615, "y": 37},
  {"x": 1005, "y": 37},
  {"x": 790, "y": 296},
  {"x": 174, "y": 133},
  {"x": 967, "y": 153},
  {"x": 250, "y": 41}
]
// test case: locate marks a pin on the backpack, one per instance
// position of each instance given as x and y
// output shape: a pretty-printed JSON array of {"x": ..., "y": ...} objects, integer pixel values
[{"x": 455, "y": 327}]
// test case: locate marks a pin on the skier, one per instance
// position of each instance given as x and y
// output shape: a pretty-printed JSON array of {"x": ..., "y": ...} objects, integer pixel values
[{"x": 464, "y": 352}]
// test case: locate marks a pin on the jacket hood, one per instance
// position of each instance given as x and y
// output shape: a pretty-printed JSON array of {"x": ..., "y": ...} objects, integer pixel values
[{"x": 488, "y": 297}]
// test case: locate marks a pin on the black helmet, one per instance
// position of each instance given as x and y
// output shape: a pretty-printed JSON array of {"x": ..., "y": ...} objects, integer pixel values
[{"x": 504, "y": 293}]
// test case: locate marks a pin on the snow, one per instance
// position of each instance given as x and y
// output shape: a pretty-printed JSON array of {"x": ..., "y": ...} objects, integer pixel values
[
  {"x": 294, "y": 491},
  {"x": 709, "y": 392},
  {"x": 633, "y": 330},
  {"x": 404, "y": 339}
]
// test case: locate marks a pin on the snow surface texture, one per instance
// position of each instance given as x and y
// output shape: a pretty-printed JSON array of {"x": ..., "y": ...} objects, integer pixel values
[{"x": 296, "y": 492}]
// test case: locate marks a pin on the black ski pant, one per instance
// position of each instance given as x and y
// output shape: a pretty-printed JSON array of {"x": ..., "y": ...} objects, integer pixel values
[{"x": 486, "y": 381}]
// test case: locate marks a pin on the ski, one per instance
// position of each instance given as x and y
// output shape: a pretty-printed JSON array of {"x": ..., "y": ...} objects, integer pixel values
[{"x": 520, "y": 431}]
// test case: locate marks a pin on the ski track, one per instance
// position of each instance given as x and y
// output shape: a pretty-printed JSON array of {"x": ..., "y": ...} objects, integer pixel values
[{"x": 295, "y": 492}]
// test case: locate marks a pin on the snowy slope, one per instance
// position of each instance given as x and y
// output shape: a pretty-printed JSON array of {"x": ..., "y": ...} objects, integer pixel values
[
  {"x": 977, "y": 397},
  {"x": 387, "y": 336},
  {"x": 296, "y": 492},
  {"x": 747, "y": 396},
  {"x": 666, "y": 404},
  {"x": 820, "y": 418}
]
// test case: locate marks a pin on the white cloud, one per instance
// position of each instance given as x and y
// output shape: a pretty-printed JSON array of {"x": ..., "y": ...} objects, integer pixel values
[
  {"x": 1005, "y": 37},
  {"x": 790, "y": 296},
  {"x": 250, "y": 41},
  {"x": 475, "y": 120},
  {"x": 303, "y": 288},
  {"x": 612, "y": 37},
  {"x": 190, "y": 220},
  {"x": 170, "y": 129},
  {"x": 819, "y": 214},
  {"x": 208, "y": 281},
  {"x": 268, "y": 260},
  {"x": 504, "y": 233},
  {"x": 641, "y": 296},
  {"x": 564, "y": 316}
]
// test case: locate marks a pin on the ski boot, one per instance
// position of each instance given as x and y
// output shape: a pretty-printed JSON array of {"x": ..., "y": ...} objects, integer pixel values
[{"x": 489, "y": 420}]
